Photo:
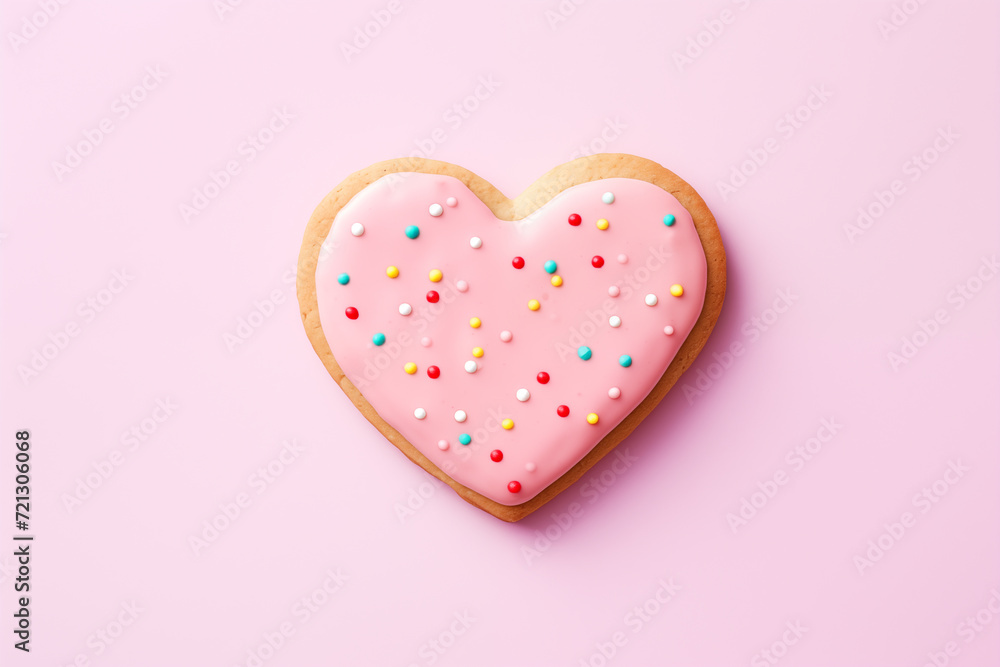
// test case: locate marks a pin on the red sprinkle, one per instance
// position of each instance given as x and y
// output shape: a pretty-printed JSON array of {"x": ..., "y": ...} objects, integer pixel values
[
  {"x": 514, "y": 487},
  {"x": 597, "y": 261},
  {"x": 518, "y": 262},
  {"x": 351, "y": 312},
  {"x": 563, "y": 411},
  {"x": 543, "y": 378},
  {"x": 575, "y": 220},
  {"x": 433, "y": 372},
  {"x": 496, "y": 456},
  {"x": 432, "y": 296}
]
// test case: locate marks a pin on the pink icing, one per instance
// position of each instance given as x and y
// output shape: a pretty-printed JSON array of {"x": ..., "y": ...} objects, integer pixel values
[{"x": 542, "y": 445}]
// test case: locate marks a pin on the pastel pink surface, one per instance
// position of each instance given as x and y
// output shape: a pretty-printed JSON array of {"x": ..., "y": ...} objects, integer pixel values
[{"x": 542, "y": 445}]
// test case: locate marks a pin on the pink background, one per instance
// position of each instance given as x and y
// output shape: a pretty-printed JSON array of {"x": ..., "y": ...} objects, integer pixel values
[{"x": 608, "y": 68}]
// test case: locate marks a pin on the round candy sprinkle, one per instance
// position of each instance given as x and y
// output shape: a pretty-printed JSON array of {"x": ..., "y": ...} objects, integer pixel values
[
  {"x": 534, "y": 305},
  {"x": 625, "y": 361},
  {"x": 543, "y": 378},
  {"x": 556, "y": 281},
  {"x": 514, "y": 487},
  {"x": 433, "y": 297},
  {"x": 379, "y": 339},
  {"x": 412, "y": 232},
  {"x": 433, "y": 372},
  {"x": 592, "y": 418},
  {"x": 425, "y": 341},
  {"x": 506, "y": 336},
  {"x": 357, "y": 229},
  {"x": 669, "y": 219},
  {"x": 676, "y": 290},
  {"x": 475, "y": 323},
  {"x": 507, "y": 424},
  {"x": 623, "y": 258},
  {"x": 529, "y": 466},
  {"x": 575, "y": 220},
  {"x": 351, "y": 312},
  {"x": 435, "y": 275},
  {"x": 343, "y": 279},
  {"x": 563, "y": 411},
  {"x": 597, "y": 261},
  {"x": 471, "y": 366},
  {"x": 435, "y": 210},
  {"x": 464, "y": 438},
  {"x": 451, "y": 201},
  {"x": 615, "y": 321},
  {"x": 496, "y": 456},
  {"x": 443, "y": 445},
  {"x": 550, "y": 266},
  {"x": 462, "y": 286},
  {"x": 614, "y": 291},
  {"x": 477, "y": 352},
  {"x": 405, "y": 309},
  {"x": 410, "y": 368},
  {"x": 518, "y": 262},
  {"x": 476, "y": 242},
  {"x": 460, "y": 416},
  {"x": 614, "y": 392},
  {"x": 603, "y": 224},
  {"x": 669, "y": 330},
  {"x": 420, "y": 413},
  {"x": 584, "y": 352},
  {"x": 608, "y": 198},
  {"x": 392, "y": 272},
  {"x": 523, "y": 395},
  {"x": 651, "y": 300}
]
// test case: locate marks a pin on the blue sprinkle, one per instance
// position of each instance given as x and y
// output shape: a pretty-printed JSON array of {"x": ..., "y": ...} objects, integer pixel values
[
  {"x": 550, "y": 266},
  {"x": 412, "y": 232},
  {"x": 584, "y": 352},
  {"x": 343, "y": 279},
  {"x": 379, "y": 339},
  {"x": 669, "y": 219},
  {"x": 464, "y": 439},
  {"x": 625, "y": 360}
]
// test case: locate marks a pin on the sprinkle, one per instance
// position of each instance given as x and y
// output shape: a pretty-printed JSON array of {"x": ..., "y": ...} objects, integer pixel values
[
  {"x": 462, "y": 286},
  {"x": 475, "y": 323},
  {"x": 669, "y": 330},
  {"x": 351, "y": 312},
  {"x": 451, "y": 201},
  {"x": 651, "y": 300},
  {"x": 575, "y": 220},
  {"x": 477, "y": 352},
  {"x": 614, "y": 392},
  {"x": 514, "y": 487},
  {"x": 507, "y": 424},
  {"x": 669, "y": 219},
  {"x": 435, "y": 210},
  {"x": 534, "y": 305},
  {"x": 420, "y": 413},
  {"x": 529, "y": 466},
  {"x": 410, "y": 368},
  {"x": 506, "y": 336},
  {"x": 476, "y": 242},
  {"x": 563, "y": 411},
  {"x": 343, "y": 279},
  {"x": 592, "y": 418},
  {"x": 443, "y": 445},
  {"x": 556, "y": 281},
  {"x": 460, "y": 416},
  {"x": 435, "y": 275},
  {"x": 425, "y": 341},
  {"x": 392, "y": 272},
  {"x": 471, "y": 366},
  {"x": 676, "y": 290},
  {"x": 379, "y": 339},
  {"x": 543, "y": 378},
  {"x": 496, "y": 456},
  {"x": 597, "y": 261},
  {"x": 518, "y": 262},
  {"x": 614, "y": 291},
  {"x": 615, "y": 321},
  {"x": 623, "y": 258},
  {"x": 550, "y": 266},
  {"x": 412, "y": 232},
  {"x": 625, "y": 361},
  {"x": 603, "y": 224},
  {"x": 608, "y": 198},
  {"x": 357, "y": 229},
  {"x": 464, "y": 439},
  {"x": 433, "y": 372},
  {"x": 405, "y": 309},
  {"x": 584, "y": 352},
  {"x": 523, "y": 395},
  {"x": 433, "y": 297}
]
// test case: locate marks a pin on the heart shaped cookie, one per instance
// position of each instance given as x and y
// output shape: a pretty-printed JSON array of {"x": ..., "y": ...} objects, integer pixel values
[{"x": 506, "y": 345}]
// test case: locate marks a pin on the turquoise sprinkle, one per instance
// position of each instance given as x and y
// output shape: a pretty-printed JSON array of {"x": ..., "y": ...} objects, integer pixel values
[
  {"x": 625, "y": 360},
  {"x": 343, "y": 279},
  {"x": 669, "y": 219},
  {"x": 550, "y": 266},
  {"x": 379, "y": 339},
  {"x": 584, "y": 352},
  {"x": 464, "y": 439},
  {"x": 412, "y": 232}
]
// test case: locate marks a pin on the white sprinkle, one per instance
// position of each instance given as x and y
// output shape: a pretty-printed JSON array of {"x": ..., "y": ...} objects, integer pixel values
[
  {"x": 476, "y": 242},
  {"x": 614, "y": 291},
  {"x": 523, "y": 395},
  {"x": 651, "y": 300},
  {"x": 615, "y": 321},
  {"x": 471, "y": 366},
  {"x": 420, "y": 413},
  {"x": 506, "y": 336},
  {"x": 357, "y": 229},
  {"x": 614, "y": 392},
  {"x": 669, "y": 330},
  {"x": 451, "y": 201},
  {"x": 405, "y": 309},
  {"x": 425, "y": 341},
  {"x": 462, "y": 286},
  {"x": 435, "y": 210},
  {"x": 608, "y": 198},
  {"x": 443, "y": 445},
  {"x": 460, "y": 416},
  {"x": 623, "y": 258}
]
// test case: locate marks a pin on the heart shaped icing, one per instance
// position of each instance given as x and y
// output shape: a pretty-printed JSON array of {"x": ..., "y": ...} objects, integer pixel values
[{"x": 505, "y": 351}]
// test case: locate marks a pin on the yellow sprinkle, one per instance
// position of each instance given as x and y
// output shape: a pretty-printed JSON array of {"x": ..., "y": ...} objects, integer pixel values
[
  {"x": 475, "y": 322},
  {"x": 435, "y": 276},
  {"x": 592, "y": 418},
  {"x": 534, "y": 305},
  {"x": 477, "y": 351},
  {"x": 602, "y": 224},
  {"x": 556, "y": 281},
  {"x": 410, "y": 367},
  {"x": 392, "y": 272},
  {"x": 508, "y": 424},
  {"x": 676, "y": 290}
]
